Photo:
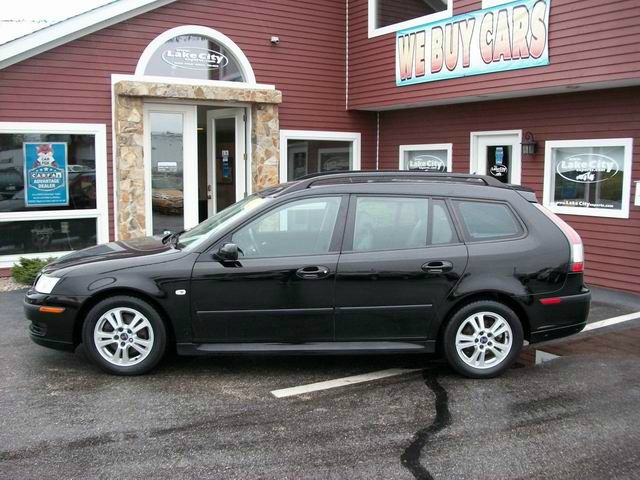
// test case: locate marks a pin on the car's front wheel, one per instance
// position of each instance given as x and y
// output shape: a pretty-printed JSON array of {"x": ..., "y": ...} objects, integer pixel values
[
  {"x": 483, "y": 339},
  {"x": 124, "y": 335}
]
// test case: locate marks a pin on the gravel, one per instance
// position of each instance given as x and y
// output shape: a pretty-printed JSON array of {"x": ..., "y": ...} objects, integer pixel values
[{"x": 8, "y": 284}]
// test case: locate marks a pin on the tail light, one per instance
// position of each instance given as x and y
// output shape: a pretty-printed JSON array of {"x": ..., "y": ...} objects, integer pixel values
[{"x": 577, "y": 249}]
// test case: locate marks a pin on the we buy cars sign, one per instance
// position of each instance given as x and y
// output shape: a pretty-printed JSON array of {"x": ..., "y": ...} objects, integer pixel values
[{"x": 506, "y": 37}]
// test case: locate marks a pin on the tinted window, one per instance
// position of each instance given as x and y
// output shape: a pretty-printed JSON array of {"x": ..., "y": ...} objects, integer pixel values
[
  {"x": 488, "y": 221},
  {"x": 392, "y": 223},
  {"x": 304, "y": 227}
]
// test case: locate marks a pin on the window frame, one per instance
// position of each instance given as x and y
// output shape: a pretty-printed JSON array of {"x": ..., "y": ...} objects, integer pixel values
[
  {"x": 462, "y": 226},
  {"x": 317, "y": 135},
  {"x": 426, "y": 146},
  {"x": 349, "y": 230},
  {"x": 100, "y": 213},
  {"x": 336, "y": 237},
  {"x": 374, "y": 31},
  {"x": 548, "y": 192}
]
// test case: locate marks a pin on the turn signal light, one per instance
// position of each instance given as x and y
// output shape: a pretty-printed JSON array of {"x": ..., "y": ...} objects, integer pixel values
[{"x": 51, "y": 309}]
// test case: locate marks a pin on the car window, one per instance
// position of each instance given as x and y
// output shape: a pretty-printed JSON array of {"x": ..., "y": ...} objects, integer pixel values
[
  {"x": 303, "y": 227},
  {"x": 487, "y": 220},
  {"x": 442, "y": 231}
]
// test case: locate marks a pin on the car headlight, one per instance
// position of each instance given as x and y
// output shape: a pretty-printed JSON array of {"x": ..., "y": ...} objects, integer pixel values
[{"x": 46, "y": 283}]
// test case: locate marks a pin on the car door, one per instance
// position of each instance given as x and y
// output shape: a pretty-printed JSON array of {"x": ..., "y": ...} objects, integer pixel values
[
  {"x": 282, "y": 287},
  {"x": 401, "y": 257}
]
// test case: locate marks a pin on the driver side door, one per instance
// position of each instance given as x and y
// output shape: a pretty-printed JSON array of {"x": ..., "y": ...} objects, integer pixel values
[{"x": 282, "y": 287}]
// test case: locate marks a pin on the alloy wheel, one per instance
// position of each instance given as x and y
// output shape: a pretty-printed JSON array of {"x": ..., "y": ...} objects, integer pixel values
[
  {"x": 484, "y": 340},
  {"x": 123, "y": 336}
]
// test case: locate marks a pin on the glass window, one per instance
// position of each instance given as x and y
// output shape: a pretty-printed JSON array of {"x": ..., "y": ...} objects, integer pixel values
[
  {"x": 39, "y": 236},
  {"x": 194, "y": 56},
  {"x": 393, "y": 12},
  {"x": 386, "y": 223},
  {"x": 426, "y": 158},
  {"x": 588, "y": 177},
  {"x": 303, "y": 227},
  {"x": 313, "y": 156},
  {"x": 442, "y": 231},
  {"x": 499, "y": 162},
  {"x": 487, "y": 221}
]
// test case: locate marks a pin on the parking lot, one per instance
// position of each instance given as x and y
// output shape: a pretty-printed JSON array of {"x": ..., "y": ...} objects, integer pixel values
[{"x": 575, "y": 416}]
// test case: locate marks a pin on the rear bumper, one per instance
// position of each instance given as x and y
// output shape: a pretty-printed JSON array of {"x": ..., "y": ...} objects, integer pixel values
[
  {"x": 53, "y": 330},
  {"x": 567, "y": 317}
]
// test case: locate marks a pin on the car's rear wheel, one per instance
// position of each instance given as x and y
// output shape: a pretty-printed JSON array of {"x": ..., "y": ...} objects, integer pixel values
[
  {"x": 124, "y": 335},
  {"x": 483, "y": 339}
]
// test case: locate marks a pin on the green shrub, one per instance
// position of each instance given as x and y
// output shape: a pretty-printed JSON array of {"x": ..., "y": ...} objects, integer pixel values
[{"x": 26, "y": 270}]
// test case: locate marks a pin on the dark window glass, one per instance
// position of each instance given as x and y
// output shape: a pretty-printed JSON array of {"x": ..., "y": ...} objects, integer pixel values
[
  {"x": 499, "y": 162},
  {"x": 391, "y": 12},
  {"x": 488, "y": 221},
  {"x": 194, "y": 56},
  {"x": 313, "y": 156},
  {"x": 304, "y": 227},
  {"x": 35, "y": 236},
  {"x": 81, "y": 171}
]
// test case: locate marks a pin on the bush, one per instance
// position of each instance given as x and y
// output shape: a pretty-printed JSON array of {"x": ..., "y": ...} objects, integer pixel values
[{"x": 27, "y": 269}]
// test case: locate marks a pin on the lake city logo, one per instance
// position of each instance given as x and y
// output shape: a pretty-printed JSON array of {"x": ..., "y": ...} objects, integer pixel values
[
  {"x": 588, "y": 168},
  {"x": 194, "y": 58},
  {"x": 498, "y": 170},
  {"x": 427, "y": 163}
]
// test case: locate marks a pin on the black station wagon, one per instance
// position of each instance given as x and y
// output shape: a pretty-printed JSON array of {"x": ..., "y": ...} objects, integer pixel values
[{"x": 351, "y": 262}]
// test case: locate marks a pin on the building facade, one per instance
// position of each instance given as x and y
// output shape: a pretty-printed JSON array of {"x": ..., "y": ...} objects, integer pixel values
[{"x": 144, "y": 116}]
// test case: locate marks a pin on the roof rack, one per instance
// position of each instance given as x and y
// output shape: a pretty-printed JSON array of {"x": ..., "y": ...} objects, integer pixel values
[{"x": 375, "y": 176}]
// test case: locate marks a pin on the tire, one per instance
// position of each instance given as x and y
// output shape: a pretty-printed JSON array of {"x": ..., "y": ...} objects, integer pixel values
[
  {"x": 466, "y": 338},
  {"x": 138, "y": 349}
]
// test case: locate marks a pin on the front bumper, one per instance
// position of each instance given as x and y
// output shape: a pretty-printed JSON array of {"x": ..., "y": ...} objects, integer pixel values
[
  {"x": 53, "y": 330},
  {"x": 567, "y": 317}
]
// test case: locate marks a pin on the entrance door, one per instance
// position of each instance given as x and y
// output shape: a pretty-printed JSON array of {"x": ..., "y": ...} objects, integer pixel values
[
  {"x": 170, "y": 152},
  {"x": 497, "y": 154},
  {"x": 226, "y": 157}
]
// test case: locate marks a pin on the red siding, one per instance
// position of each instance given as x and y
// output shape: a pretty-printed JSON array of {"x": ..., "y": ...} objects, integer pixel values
[
  {"x": 612, "y": 246},
  {"x": 589, "y": 42},
  {"x": 72, "y": 83}
]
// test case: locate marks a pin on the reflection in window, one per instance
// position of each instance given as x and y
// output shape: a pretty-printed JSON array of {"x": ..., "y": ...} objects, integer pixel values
[
  {"x": 167, "y": 190},
  {"x": 390, "y": 12},
  {"x": 36, "y": 236},
  {"x": 312, "y": 156},
  {"x": 488, "y": 221},
  {"x": 194, "y": 56}
]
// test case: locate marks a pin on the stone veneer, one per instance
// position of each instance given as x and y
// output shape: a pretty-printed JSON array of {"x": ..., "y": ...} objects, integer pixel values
[{"x": 129, "y": 140}]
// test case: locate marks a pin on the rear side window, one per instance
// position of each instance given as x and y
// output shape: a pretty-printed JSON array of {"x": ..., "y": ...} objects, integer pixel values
[
  {"x": 395, "y": 223},
  {"x": 487, "y": 220}
]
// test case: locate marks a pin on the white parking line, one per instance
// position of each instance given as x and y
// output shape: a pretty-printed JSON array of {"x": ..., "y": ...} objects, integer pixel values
[
  {"x": 341, "y": 382},
  {"x": 611, "y": 321},
  {"x": 391, "y": 372}
]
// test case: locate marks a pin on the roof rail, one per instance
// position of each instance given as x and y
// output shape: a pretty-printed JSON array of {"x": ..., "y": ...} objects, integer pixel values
[{"x": 373, "y": 176}]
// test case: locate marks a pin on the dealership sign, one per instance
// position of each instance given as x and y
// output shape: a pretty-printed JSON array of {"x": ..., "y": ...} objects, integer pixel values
[
  {"x": 194, "y": 58},
  {"x": 427, "y": 163},
  {"x": 45, "y": 172},
  {"x": 588, "y": 168},
  {"x": 506, "y": 37}
]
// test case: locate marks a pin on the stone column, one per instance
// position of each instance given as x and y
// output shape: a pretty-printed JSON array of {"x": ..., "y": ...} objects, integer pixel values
[
  {"x": 265, "y": 140},
  {"x": 130, "y": 185}
]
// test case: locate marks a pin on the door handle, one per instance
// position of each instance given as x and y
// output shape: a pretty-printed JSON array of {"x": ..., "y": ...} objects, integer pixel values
[
  {"x": 437, "y": 266},
  {"x": 312, "y": 273}
]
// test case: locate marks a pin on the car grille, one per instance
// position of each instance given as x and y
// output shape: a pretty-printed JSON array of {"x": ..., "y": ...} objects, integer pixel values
[{"x": 38, "y": 330}]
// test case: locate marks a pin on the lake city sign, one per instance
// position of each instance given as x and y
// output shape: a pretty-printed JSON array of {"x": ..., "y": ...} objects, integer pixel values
[
  {"x": 194, "y": 58},
  {"x": 587, "y": 168},
  {"x": 506, "y": 37},
  {"x": 427, "y": 163}
]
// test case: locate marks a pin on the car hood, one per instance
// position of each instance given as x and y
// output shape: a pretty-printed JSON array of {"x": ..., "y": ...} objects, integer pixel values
[{"x": 129, "y": 250}]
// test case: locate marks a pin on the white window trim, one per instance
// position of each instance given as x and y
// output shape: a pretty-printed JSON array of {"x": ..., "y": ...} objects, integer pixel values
[
  {"x": 427, "y": 146},
  {"x": 414, "y": 22},
  {"x": 516, "y": 172},
  {"x": 100, "y": 213},
  {"x": 286, "y": 135},
  {"x": 236, "y": 52},
  {"x": 627, "y": 143}
]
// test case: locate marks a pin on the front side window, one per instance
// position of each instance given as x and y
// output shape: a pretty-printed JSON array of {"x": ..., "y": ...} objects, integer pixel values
[
  {"x": 303, "y": 227},
  {"x": 588, "y": 177},
  {"x": 50, "y": 184},
  {"x": 485, "y": 221},
  {"x": 392, "y": 15},
  {"x": 396, "y": 223}
]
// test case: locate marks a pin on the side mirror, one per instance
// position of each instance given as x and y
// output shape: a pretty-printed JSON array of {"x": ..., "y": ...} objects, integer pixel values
[{"x": 227, "y": 253}]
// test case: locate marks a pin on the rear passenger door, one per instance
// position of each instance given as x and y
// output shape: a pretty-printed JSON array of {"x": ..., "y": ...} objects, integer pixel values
[{"x": 401, "y": 258}]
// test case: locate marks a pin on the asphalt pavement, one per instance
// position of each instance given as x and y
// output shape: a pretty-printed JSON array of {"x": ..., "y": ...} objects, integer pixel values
[{"x": 574, "y": 417}]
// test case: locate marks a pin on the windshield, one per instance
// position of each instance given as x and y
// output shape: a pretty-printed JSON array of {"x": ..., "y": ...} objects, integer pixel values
[{"x": 198, "y": 234}]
